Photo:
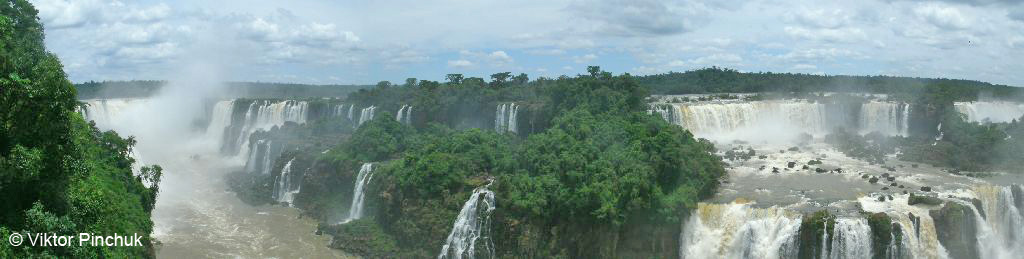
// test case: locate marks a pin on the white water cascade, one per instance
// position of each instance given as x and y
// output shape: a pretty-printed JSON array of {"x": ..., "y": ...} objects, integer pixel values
[
  {"x": 1001, "y": 229},
  {"x": 505, "y": 118},
  {"x": 749, "y": 120},
  {"x": 359, "y": 192},
  {"x": 285, "y": 188},
  {"x": 104, "y": 111},
  {"x": 851, "y": 238},
  {"x": 350, "y": 108},
  {"x": 737, "y": 230},
  {"x": 219, "y": 121},
  {"x": 996, "y": 111},
  {"x": 339, "y": 110},
  {"x": 472, "y": 225},
  {"x": 404, "y": 114},
  {"x": 263, "y": 115},
  {"x": 261, "y": 157},
  {"x": 920, "y": 238},
  {"x": 366, "y": 114},
  {"x": 890, "y": 118}
]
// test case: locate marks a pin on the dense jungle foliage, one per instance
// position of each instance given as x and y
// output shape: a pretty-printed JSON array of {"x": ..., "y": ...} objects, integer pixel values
[
  {"x": 59, "y": 174},
  {"x": 589, "y": 172}
]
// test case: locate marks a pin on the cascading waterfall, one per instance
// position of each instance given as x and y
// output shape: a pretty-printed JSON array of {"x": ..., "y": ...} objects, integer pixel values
[
  {"x": 263, "y": 115},
  {"x": 472, "y": 225},
  {"x": 339, "y": 110},
  {"x": 732, "y": 120},
  {"x": 359, "y": 192},
  {"x": 219, "y": 120},
  {"x": 404, "y": 114},
  {"x": 728, "y": 120},
  {"x": 261, "y": 157},
  {"x": 920, "y": 238},
  {"x": 350, "y": 108},
  {"x": 890, "y": 118},
  {"x": 1001, "y": 227},
  {"x": 996, "y": 111},
  {"x": 103, "y": 111},
  {"x": 668, "y": 112},
  {"x": 737, "y": 230},
  {"x": 285, "y": 189},
  {"x": 505, "y": 118},
  {"x": 366, "y": 114},
  {"x": 851, "y": 238}
]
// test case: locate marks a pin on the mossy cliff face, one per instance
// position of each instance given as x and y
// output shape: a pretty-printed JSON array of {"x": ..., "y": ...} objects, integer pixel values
[
  {"x": 955, "y": 224},
  {"x": 885, "y": 236},
  {"x": 812, "y": 229}
]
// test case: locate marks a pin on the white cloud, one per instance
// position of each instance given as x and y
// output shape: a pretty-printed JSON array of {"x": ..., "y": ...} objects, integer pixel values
[
  {"x": 461, "y": 63},
  {"x": 584, "y": 59},
  {"x": 946, "y": 17}
]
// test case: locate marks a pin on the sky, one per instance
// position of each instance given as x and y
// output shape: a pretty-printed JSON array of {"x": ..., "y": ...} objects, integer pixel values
[{"x": 363, "y": 42}]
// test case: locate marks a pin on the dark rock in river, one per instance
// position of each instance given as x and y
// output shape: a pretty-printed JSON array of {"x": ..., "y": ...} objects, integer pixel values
[
  {"x": 819, "y": 170},
  {"x": 885, "y": 188},
  {"x": 956, "y": 230},
  {"x": 865, "y": 176},
  {"x": 921, "y": 199},
  {"x": 881, "y": 198},
  {"x": 892, "y": 184},
  {"x": 791, "y": 164},
  {"x": 873, "y": 179},
  {"x": 926, "y": 189}
]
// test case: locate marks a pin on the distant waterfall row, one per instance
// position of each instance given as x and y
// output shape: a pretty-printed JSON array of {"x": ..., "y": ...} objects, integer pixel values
[
  {"x": 981, "y": 222},
  {"x": 233, "y": 122},
  {"x": 472, "y": 228},
  {"x": 737, "y": 119},
  {"x": 355, "y": 210},
  {"x": 990, "y": 111},
  {"x": 505, "y": 118}
]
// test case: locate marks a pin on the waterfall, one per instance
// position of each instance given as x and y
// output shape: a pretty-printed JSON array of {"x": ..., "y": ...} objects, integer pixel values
[
  {"x": 920, "y": 239},
  {"x": 990, "y": 111},
  {"x": 263, "y": 115},
  {"x": 104, "y": 111},
  {"x": 745, "y": 120},
  {"x": 338, "y": 111},
  {"x": 219, "y": 121},
  {"x": 261, "y": 156},
  {"x": 350, "y": 108},
  {"x": 404, "y": 114},
  {"x": 851, "y": 238},
  {"x": 285, "y": 189},
  {"x": 355, "y": 211},
  {"x": 472, "y": 224},
  {"x": 667, "y": 112},
  {"x": 505, "y": 118},
  {"x": 737, "y": 230},
  {"x": 1001, "y": 227},
  {"x": 890, "y": 118},
  {"x": 366, "y": 114}
]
